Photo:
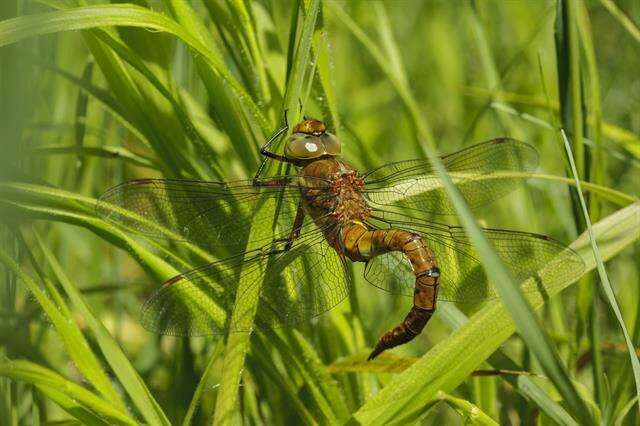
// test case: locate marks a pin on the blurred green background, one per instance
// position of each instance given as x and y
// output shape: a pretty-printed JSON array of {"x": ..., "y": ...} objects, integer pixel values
[{"x": 94, "y": 96}]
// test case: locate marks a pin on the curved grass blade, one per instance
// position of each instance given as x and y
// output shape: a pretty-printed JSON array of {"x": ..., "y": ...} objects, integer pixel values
[
  {"x": 602, "y": 272},
  {"x": 507, "y": 288},
  {"x": 469, "y": 411},
  {"x": 618, "y": 135},
  {"x": 227, "y": 110},
  {"x": 200, "y": 389},
  {"x": 320, "y": 376},
  {"x": 450, "y": 362},
  {"x": 238, "y": 343},
  {"x": 151, "y": 263},
  {"x": 81, "y": 18},
  {"x": 528, "y": 388},
  {"x": 53, "y": 203},
  {"x": 104, "y": 98},
  {"x": 623, "y": 18},
  {"x": 113, "y": 354},
  {"x": 301, "y": 57},
  {"x": 110, "y": 152},
  {"x": 74, "y": 341},
  {"x": 75, "y": 399}
]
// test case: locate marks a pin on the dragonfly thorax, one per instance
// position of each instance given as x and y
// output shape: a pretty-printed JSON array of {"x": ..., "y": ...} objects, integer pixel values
[{"x": 347, "y": 188}]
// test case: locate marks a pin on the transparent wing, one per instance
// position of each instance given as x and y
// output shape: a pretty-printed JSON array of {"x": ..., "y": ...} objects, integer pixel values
[
  {"x": 481, "y": 172},
  {"x": 462, "y": 277},
  {"x": 208, "y": 213},
  {"x": 287, "y": 288}
]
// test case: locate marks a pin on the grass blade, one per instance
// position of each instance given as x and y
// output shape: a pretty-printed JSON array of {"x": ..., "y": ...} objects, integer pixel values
[
  {"x": 451, "y": 361},
  {"x": 70, "y": 334},
  {"x": 469, "y": 411},
  {"x": 111, "y": 152},
  {"x": 623, "y": 18},
  {"x": 602, "y": 272},
  {"x": 238, "y": 343},
  {"x": 113, "y": 354},
  {"x": 300, "y": 59},
  {"x": 81, "y": 18},
  {"x": 510, "y": 293},
  {"x": 201, "y": 388},
  {"x": 68, "y": 395}
]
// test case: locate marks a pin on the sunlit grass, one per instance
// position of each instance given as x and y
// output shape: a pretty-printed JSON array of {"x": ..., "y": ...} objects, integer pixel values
[{"x": 93, "y": 94}]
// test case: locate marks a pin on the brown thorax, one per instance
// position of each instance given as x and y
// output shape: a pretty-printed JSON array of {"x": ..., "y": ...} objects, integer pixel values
[{"x": 347, "y": 187}]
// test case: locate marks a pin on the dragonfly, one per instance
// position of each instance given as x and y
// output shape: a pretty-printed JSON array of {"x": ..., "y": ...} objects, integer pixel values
[{"x": 287, "y": 239}]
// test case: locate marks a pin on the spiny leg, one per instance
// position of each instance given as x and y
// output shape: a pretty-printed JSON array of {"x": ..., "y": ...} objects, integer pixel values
[
  {"x": 264, "y": 150},
  {"x": 295, "y": 229},
  {"x": 297, "y": 225}
]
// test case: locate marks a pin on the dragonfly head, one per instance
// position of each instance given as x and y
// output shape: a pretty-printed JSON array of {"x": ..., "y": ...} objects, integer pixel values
[{"x": 310, "y": 140}]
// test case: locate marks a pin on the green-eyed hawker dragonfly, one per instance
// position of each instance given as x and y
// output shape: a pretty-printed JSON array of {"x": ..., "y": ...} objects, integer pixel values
[{"x": 289, "y": 237}]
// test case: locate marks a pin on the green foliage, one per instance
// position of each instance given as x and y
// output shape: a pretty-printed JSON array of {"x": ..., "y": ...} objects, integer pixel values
[{"x": 95, "y": 93}]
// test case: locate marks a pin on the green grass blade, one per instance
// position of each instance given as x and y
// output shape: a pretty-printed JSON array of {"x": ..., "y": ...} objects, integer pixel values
[
  {"x": 469, "y": 411},
  {"x": 569, "y": 77},
  {"x": 17, "y": 29},
  {"x": 106, "y": 99},
  {"x": 623, "y": 18},
  {"x": 596, "y": 174},
  {"x": 200, "y": 389},
  {"x": 230, "y": 116},
  {"x": 75, "y": 343},
  {"x": 238, "y": 343},
  {"x": 451, "y": 361},
  {"x": 109, "y": 152},
  {"x": 241, "y": 8},
  {"x": 509, "y": 291},
  {"x": 618, "y": 198},
  {"x": 300, "y": 60},
  {"x": 602, "y": 272},
  {"x": 237, "y": 346},
  {"x": 69, "y": 395},
  {"x": 319, "y": 376},
  {"x": 153, "y": 264},
  {"x": 625, "y": 411},
  {"x": 614, "y": 133},
  {"x": 528, "y": 388},
  {"x": 74, "y": 208},
  {"x": 113, "y": 354},
  {"x": 325, "y": 73}
]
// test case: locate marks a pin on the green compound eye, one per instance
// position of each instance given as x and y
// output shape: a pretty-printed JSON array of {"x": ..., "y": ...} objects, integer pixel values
[
  {"x": 332, "y": 145},
  {"x": 303, "y": 146}
]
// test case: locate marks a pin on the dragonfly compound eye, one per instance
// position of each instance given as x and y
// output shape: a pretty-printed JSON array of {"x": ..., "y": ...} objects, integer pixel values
[
  {"x": 303, "y": 146},
  {"x": 332, "y": 145}
]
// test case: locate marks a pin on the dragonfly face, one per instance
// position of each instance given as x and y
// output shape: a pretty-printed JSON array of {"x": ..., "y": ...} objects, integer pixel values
[
  {"x": 298, "y": 271},
  {"x": 310, "y": 140}
]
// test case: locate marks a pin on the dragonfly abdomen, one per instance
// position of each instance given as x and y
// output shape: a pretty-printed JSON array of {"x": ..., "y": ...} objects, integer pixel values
[{"x": 362, "y": 244}]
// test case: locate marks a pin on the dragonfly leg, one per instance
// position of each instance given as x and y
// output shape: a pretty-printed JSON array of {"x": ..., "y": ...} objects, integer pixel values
[
  {"x": 362, "y": 244},
  {"x": 295, "y": 229},
  {"x": 297, "y": 224},
  {"x": 264, "y": 150}
]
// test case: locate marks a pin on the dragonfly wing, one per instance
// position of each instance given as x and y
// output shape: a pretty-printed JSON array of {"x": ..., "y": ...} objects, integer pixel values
[
  {"x": 481, "y": 172},
  {"x": 210, "y": 214},
  {"x": 462, "y": 277},
  {"x": 286, "y": 287}
]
